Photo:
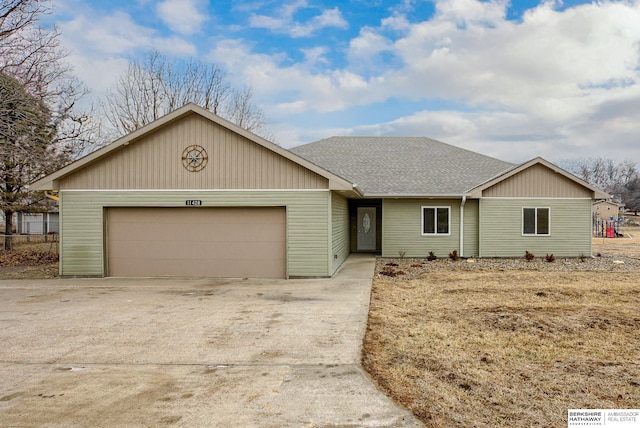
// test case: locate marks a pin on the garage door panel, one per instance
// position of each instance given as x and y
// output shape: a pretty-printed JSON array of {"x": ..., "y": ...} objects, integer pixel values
[
  {"x": 197, "y": 268},
  {"x": 200, "y": 250},
  {"x": 204, "y": 233},
  {"x": 201, "y": 242}
]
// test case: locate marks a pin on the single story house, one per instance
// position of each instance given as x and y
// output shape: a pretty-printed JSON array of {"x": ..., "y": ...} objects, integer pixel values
[
  {"x": 29, "y": 223},
  {"x": 33, "y": 223},
  {"x": 606, "y": 210},
  {"x": 194, "y": 195}
]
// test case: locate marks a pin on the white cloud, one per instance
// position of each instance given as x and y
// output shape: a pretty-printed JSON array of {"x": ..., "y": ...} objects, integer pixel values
[
  {"x": 554, "y": 83},
  {"x": 397, "y": 22},
  {"x": 280, "y": 87},
  {"x": 285, "y": 21},
  {"x": 315, "y": 55},
  {"x": 98, "y": 73},
  {"x": 118, "y": 33},
  {"x": 328, "y": 18},
  {"x": 182, "y": 16},
  {"x": 368, "y": 45},
  {"x": 100, "y": 46},
  {"x": 464, "y": 12},
  {"x": 542, "y": 67},
  {"x": 110, "y": 34},
  {"x": 557, "y": 83}
]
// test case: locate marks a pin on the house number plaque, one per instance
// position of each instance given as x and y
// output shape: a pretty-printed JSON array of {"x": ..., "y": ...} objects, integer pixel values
[{"x": 194, "y": 203}]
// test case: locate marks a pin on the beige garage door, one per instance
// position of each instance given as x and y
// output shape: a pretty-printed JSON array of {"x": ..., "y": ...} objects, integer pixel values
[{"x": 196, "y": 242}]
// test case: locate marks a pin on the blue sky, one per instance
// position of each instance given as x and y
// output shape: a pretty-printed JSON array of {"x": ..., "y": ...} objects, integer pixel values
[{"x": 514, "y": 80}]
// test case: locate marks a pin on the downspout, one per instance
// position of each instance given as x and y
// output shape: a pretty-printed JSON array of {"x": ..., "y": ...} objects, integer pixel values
[{"x": 464, "y": 200}]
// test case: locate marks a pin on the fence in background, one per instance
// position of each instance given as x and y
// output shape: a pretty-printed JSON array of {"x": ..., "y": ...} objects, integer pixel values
[{"x": 40, "y": 243}]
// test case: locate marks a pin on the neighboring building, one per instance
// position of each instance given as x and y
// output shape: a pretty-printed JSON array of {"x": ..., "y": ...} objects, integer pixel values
[
  {"x": 192, "y": 194},
  {"x": 606, "y": 210},
  {"x": 36, "y": 223},
  {"x": 27, "y": 223}
]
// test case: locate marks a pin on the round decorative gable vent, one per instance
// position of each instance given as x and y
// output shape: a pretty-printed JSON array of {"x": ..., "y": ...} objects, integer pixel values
[{"x": 194, "y": 158}]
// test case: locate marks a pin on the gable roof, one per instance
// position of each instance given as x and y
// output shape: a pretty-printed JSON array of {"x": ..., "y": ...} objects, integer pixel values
[
  {"x": 477, "y": 191},
  {"x": 50, "y": 182},
  {"x": 403, "y": 166},
  {"x": 604, "y": 201}
]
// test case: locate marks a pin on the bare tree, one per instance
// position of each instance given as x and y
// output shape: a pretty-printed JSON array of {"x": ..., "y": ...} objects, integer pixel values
[
  {"x": 243, "y": 112},
  {"x": 17, "y": 15},
  {"x": 26, "y": 152},
  {"x": 33, "y": 55},
  {"x": 620, "y": 179},
  {"x": 156, "y": 86},
  {"x": 28, "y": 52},
  {"x": 40, "y": 125}
]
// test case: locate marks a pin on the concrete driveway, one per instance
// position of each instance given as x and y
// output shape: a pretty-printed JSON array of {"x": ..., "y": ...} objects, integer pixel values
[{"x": 160, "y": 352}]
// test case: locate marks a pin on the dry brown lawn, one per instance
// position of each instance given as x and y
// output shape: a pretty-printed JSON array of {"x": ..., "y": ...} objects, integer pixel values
[
  {"x": 629, "y": 245},
  {"x": 32, "y": 258},
  {"x": 506, "y": 349}
]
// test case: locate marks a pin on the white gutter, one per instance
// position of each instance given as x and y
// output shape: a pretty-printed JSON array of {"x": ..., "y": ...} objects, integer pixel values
[{"x": 464, "y": 200}]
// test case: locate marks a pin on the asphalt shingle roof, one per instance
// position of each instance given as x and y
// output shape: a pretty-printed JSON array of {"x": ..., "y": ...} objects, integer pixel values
[{"x": 402, "y": 165}]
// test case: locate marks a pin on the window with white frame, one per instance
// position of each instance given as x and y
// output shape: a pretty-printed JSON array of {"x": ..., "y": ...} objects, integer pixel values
[
  {"x": 536, "y": 221},
  {"x": 436, "y": 220}
]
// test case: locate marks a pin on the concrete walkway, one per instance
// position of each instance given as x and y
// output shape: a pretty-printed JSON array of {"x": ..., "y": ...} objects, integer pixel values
[{"x": 196, "y": 353}]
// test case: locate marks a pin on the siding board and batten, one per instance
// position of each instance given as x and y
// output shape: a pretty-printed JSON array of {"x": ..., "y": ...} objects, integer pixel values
[
  {"x": 537, "y": 181},
  {"x": 154, "y": 161}
]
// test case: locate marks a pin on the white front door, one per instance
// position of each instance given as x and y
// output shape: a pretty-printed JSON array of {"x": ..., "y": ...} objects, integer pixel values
[{"x": 366, "y": 229}]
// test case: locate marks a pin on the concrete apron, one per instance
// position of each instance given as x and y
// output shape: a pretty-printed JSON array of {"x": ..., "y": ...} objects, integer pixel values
[{"x": 154, "y": 352}]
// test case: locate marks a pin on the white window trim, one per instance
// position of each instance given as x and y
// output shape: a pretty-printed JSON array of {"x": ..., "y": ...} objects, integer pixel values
[
  {"x": 536, "y": 224},
  {"x": 436, "y": 220}
]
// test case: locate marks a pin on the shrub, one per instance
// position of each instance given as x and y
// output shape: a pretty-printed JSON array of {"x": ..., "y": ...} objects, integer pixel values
[
  {"x": 454, "y": 255},
  {"x": 550, "y": 258},
  {"x": 529, "y": 256},
  {"x": 402, "y": 253},
  {"x": 431, "y": 257}
]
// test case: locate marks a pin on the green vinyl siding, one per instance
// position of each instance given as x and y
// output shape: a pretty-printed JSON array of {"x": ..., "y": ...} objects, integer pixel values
[
  {"x": 81, "y": 222},
  {"x": 402, "y": 228},
  {"x": 501, "y": 228},
  {"x": 339, "y": 231},
  {"x": 471, "y": 232},
  {"x": 82, "y": 234}
]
